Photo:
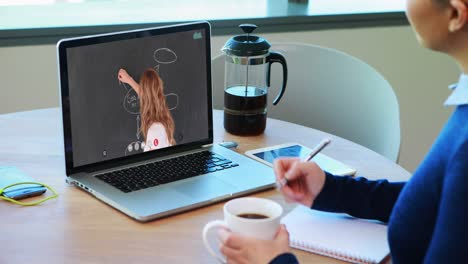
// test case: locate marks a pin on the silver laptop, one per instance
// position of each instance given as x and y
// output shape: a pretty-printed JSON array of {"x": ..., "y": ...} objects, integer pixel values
[{"x": 137, "y": 123}]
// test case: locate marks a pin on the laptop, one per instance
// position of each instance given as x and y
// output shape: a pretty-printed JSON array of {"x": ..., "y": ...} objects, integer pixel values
[{"x": 137, "y": 123}]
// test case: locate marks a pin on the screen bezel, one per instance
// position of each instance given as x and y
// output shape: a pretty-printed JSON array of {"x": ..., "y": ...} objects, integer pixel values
[{"x": 62, "y": 47}]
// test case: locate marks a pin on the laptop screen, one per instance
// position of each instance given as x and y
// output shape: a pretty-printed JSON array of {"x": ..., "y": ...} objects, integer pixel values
[{"x": 129, "y": 93}]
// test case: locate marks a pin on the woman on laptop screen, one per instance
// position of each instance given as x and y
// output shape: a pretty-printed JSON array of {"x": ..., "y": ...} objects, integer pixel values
[{"x": 157, "y": 125}]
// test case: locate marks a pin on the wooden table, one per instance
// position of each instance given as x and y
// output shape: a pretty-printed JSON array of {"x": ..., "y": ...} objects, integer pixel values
[{"x": 77, "y": 228}]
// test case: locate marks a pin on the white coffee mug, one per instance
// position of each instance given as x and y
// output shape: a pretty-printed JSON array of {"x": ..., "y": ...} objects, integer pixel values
[{"x": 237, "y": 218}]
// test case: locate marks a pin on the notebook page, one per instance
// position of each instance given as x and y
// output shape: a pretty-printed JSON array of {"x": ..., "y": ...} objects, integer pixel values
[{"x": 337, "y": 234}]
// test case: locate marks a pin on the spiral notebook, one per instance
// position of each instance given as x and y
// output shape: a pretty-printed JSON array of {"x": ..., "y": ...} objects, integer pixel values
[{"x": 337, "y": 235}]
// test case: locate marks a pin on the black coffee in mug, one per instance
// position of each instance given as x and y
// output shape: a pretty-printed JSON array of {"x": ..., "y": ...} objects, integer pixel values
[
  {"x": 245, "y": 110},
  {"x": 252, "y": 216}
]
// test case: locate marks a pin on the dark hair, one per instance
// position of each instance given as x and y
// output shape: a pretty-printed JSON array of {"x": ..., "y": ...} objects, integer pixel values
[
  {"x": 444, "y": 3},
  {"x": 441, "y": 2}
]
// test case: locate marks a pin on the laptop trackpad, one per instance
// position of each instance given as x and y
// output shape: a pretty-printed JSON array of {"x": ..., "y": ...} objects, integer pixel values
[{"x": 204, "y": 187}]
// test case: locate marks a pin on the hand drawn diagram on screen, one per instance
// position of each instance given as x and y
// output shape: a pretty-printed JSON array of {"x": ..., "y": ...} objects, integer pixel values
[{"x": 149, "y": 93}]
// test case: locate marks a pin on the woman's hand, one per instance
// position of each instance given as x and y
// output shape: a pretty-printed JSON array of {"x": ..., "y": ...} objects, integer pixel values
[
  {"x": 305, "y": 180},
  {"x": 247, "y": 250},
  {"x": 125, "y": 77}
]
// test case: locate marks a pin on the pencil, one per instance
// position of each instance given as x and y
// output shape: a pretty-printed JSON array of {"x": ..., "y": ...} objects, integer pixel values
[{"x": 283, "y": 182}]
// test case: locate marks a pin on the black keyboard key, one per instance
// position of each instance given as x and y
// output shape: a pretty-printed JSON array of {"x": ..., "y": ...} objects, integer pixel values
[
  {"x": 211, "y": 169},
  {"x": 222, "y": 162}
]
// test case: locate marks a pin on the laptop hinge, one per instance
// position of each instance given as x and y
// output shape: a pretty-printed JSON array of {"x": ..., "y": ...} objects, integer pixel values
[{"x": 207, "y": 145}]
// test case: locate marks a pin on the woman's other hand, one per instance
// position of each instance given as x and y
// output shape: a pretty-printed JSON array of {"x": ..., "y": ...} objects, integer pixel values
[
  {"x": 247, "y": 250},
  {"x": 305, "y": 180}
]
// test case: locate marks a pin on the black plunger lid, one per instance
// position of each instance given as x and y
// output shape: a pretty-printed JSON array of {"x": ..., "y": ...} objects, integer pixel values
[{"x": 246, "y": 45}]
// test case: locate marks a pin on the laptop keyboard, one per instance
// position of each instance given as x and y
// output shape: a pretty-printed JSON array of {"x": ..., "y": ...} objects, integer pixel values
[{"x": 165, "y": 171}]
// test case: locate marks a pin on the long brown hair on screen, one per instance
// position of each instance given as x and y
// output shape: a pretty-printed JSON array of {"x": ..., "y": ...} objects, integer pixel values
[{"x": 153, "y": 106}]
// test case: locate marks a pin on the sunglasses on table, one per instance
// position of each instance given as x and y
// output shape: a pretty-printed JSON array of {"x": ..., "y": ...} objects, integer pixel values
[{"x": 15, "y": 192}]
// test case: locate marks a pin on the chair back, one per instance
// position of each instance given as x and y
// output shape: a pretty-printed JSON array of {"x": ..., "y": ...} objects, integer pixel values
[{"x": 331, "y": 91}]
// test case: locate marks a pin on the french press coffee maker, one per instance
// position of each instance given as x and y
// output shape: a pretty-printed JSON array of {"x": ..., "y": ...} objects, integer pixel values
[{"x": 247, "y": 80}]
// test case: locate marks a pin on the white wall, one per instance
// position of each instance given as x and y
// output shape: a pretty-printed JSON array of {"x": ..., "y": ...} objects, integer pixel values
[{"x": 419, "y": 77}]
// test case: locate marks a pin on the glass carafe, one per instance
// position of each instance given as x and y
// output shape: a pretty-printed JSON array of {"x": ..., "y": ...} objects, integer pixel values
[{"x": 247, "y": 80}]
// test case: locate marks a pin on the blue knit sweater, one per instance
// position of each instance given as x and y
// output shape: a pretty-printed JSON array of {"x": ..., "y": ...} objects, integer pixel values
[{"x": 428, "y": 216}]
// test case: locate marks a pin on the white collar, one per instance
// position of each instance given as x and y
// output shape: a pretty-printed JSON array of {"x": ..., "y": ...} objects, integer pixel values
[{"x": 459, "y": 95}]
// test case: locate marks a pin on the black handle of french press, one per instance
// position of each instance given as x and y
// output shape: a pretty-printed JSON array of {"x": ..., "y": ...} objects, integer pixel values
[
  {"x": 248, "y": 28},
  {"x": 272, "y": 58}
]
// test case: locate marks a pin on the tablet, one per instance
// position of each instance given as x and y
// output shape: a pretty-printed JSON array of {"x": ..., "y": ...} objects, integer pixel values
[{"x": 269, "y": 154}]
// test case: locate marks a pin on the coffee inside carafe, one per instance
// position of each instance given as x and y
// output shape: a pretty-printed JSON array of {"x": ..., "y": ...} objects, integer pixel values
[{"x": 245, "y": 110}]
